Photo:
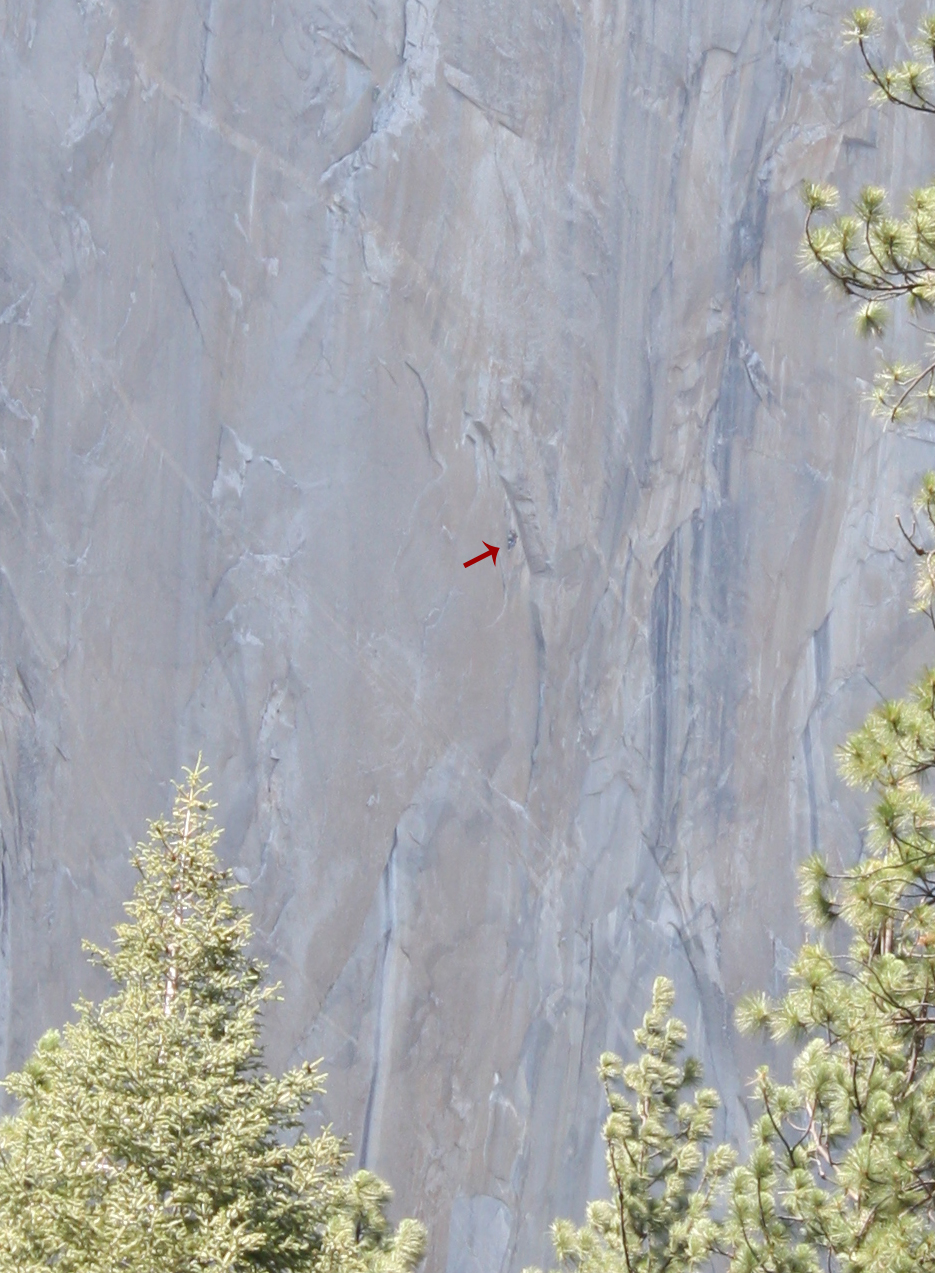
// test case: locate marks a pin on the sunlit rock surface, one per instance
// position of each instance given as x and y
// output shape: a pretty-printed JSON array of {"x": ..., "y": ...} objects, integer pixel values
[{"x": 300, "y": 302}]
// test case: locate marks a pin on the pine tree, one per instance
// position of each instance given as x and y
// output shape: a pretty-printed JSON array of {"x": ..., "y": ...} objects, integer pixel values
[
  {"x": 841, "y": 1172},
  {"x": 149, "y": 1136},
  {"x": 662, "y": 1181}
]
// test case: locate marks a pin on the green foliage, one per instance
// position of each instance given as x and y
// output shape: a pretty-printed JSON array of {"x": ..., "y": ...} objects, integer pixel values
[
  {"x": 149, "y": 1137},
  {"x": 870, "y": 254},
  {"x": 922, "y": 541},
  {"x": 842, "y": 1167},
  {"x": 662, "y": 1180}
]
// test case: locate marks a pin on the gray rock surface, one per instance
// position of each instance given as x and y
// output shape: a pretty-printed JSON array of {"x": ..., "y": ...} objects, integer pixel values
[{"x": 301, "y": 300}]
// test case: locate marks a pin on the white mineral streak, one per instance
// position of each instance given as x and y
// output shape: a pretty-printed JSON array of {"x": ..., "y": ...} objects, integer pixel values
[{"x": 300, "y": 300}]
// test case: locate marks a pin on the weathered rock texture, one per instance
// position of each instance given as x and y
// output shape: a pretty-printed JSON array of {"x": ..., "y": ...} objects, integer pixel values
[{"x": 299, "y": 301}]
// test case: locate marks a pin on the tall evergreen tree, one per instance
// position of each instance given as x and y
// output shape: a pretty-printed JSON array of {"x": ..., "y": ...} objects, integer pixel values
[
  {"x": 149, "y": 1136},
  {"x": 662, "y": 1178}
]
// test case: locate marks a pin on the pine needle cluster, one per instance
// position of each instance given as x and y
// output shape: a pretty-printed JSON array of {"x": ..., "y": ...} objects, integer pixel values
[
  {"x": 870, "y": 253},
  {"x": 149, "y": 1136}
]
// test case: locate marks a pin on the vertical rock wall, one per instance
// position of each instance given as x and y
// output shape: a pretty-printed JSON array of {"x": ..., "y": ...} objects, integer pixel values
[{"x": 301, "y": 300}]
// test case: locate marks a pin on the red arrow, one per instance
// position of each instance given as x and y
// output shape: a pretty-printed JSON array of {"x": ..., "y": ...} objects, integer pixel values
[{"x": 491, "y": 552}]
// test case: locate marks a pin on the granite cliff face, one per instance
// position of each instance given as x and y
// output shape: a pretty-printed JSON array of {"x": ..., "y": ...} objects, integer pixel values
[{"x": 299, "y": 301}]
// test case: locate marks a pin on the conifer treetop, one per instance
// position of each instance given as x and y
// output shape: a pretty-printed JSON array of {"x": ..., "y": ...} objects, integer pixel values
[
  {"x": 149, "y": 1135},
  {"x": 663, "y": 1176}
]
